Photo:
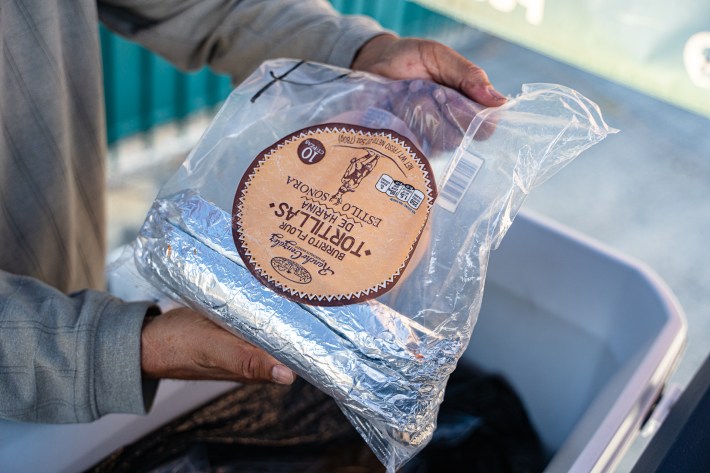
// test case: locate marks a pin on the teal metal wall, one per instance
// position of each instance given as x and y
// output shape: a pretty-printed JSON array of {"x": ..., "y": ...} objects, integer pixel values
[{"x": 142, "y": 90}]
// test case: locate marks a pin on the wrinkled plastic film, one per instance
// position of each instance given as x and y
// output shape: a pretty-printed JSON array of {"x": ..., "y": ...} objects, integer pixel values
[{"x": 385, "y": 360}]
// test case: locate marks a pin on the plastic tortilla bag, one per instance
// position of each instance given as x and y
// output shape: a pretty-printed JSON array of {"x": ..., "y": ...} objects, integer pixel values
[{"x": 343, "y": 222}]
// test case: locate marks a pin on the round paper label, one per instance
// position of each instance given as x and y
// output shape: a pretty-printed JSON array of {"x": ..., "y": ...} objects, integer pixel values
[{"x": 331, "y": 214}]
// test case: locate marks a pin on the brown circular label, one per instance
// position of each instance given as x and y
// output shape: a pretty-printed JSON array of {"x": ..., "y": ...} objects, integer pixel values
[{"x": 331, "y": 214}]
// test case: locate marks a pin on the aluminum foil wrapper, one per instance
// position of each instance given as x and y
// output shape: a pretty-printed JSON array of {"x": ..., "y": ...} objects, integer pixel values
[{"x": 386, "y": 371}]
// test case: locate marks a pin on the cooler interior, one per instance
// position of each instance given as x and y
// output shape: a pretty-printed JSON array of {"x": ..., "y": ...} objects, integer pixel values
[{"x": 585, "y": 336}]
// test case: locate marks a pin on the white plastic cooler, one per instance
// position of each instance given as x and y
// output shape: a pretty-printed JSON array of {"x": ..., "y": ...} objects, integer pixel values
[{"x": 587, "y": 337}]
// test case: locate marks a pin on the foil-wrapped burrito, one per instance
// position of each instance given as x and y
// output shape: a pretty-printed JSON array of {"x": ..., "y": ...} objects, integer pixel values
[{"x": 378, "y": 363}]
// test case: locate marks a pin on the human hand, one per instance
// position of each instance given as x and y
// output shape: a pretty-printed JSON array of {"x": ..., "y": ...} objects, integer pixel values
[
  {"x": 439, "y": 114},
  {"x": 182, "y": 344},
  {"x": 414, "y": 58}
]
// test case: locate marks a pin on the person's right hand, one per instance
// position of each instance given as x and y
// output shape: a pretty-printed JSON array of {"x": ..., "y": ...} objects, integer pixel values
[{"x": 182, "y": 344}]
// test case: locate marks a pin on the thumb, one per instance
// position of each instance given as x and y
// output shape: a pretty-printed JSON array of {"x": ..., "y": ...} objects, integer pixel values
[
  {"x": 256, "y": 366},
  {"x": 252, "y": 364},
  {"x": 182, "y": 344},
  {"x": 450, "y": 68}
]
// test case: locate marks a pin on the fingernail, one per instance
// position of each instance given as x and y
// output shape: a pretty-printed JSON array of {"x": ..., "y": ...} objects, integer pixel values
[
  {"x": 282, "y": 375},
  {"x": 439, "y": 95},
  {"x": 495, "y": 94},
  {"x": 416, "y": 85}
]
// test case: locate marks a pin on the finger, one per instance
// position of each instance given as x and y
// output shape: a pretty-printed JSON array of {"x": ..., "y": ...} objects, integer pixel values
[
  {"x": 242, "y": 361},
  {"x": 449, "y": 68},
  {"x": 457, "y": 110},
  {"x": 460, "y": 111},
  {"x": 255, "y": 365}
]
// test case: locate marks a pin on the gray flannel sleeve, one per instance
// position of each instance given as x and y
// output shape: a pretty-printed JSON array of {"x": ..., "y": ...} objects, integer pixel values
[
  {"x": 68, "y": 358},
  {"x": 234, "y": 37}
]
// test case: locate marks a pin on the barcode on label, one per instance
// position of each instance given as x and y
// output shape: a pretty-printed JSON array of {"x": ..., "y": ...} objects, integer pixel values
[{"x": 459, "y": 179}]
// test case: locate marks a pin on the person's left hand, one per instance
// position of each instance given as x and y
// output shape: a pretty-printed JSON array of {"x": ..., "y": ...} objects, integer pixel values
[{"x": 414, "y": 58}]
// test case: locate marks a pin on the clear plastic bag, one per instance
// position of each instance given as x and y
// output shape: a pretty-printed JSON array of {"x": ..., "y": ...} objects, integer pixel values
[{"x": 343, "y": 222}]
